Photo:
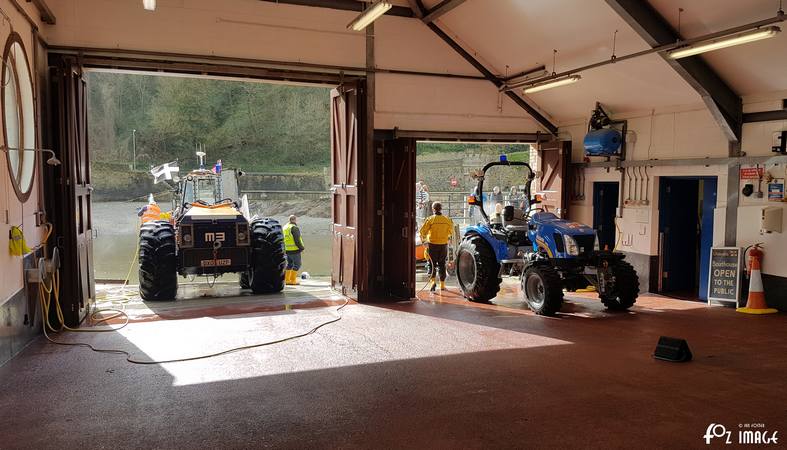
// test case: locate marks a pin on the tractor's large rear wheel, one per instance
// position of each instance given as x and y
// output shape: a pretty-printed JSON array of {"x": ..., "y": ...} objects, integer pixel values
[
  {"x": 268, "y": 260},
  {"x": 158, "y": 270},
  {"x": 625, "y": 287},
  {"x": 543, "y": 290},
  {"x": 477, "y": 269}
]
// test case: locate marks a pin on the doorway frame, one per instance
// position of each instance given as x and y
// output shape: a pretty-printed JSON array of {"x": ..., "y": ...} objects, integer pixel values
[
  {"x": 704, "y": 242},
  {"x": 596, "y": 186}
]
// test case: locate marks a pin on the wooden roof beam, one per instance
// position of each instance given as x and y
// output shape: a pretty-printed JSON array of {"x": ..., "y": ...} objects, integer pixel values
[
  {"x": 440, "y": 9},
  {"x": 47, "y": 16}
]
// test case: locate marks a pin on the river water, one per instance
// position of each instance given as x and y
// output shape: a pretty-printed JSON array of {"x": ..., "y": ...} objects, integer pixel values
[{"x": 115, "y": 224}]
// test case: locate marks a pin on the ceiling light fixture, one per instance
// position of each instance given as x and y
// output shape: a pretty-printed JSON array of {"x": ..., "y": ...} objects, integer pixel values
[
  {"x": 149, "y": 5},
  {"x": 372, "y": 13},
  {"x": 732, "y": 36},
  {"x": 552, "y": 83},
  {"x": 725, "y": 41}
]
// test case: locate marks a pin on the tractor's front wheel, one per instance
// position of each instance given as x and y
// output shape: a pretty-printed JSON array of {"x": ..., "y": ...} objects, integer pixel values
[
  {"x": 477, "y": 269},
  {"x": 625, "y": 287},
  {"x": 543, "y": 290},
  {"x": 267, "y": 257},
  {"x": 158, "y": 270}
]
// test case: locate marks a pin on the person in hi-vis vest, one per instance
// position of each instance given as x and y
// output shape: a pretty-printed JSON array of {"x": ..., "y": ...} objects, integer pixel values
[{"x": 293, "y": 245}]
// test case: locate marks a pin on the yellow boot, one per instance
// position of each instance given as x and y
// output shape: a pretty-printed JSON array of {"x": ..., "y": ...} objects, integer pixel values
[
  {"x": 288, "y": 277},
  {"x": 295, "y": 278},
  {"x": 442, "y": 285}
]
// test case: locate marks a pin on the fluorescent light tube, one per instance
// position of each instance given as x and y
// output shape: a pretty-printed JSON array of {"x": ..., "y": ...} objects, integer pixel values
[
  {"x": 724, "y": 42},
  {"x": 150, "y": 5},
  {"x": 549, "y": 84},
  {"x": 371, "y": 14}
]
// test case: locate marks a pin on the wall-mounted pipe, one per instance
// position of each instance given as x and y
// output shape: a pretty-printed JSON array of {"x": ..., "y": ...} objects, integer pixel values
[{"x": 731, "y": 161}]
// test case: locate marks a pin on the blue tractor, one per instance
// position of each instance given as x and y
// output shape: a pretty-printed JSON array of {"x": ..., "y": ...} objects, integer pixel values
[{"x": 548, "y": 253}]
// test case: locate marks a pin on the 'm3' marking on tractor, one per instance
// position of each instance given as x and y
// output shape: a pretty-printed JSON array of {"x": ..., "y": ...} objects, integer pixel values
[{"x": 215, "y": 237}]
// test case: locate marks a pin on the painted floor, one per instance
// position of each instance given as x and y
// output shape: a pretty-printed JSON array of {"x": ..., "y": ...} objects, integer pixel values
[{"x": 433, "y": 373}]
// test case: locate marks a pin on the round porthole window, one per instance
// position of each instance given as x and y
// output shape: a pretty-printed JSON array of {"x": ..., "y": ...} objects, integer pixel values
[{"x": 19, "y": 131}]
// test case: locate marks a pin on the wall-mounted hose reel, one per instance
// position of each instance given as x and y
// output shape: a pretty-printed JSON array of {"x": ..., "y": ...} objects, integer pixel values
[{"x": 44, "y": 272}]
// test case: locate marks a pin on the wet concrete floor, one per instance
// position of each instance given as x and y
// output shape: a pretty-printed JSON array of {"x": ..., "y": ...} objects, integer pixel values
[{"x": 437, "y": 372}]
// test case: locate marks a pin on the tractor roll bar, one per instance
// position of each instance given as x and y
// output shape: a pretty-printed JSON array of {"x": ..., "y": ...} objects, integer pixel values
[{"x": 528, "y": 182}]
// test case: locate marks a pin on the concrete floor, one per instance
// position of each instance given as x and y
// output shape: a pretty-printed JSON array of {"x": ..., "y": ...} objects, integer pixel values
[{"x": 434, "y": 373}]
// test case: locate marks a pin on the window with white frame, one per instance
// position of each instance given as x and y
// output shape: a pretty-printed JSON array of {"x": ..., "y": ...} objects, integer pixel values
[{"x": 19, "y": 131}]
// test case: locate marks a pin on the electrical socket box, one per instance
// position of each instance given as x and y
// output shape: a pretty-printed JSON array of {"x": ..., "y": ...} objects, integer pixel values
[{"x": 771, "y": 219}]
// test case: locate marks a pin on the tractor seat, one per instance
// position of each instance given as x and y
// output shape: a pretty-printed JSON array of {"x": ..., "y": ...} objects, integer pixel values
[{"x": 514, "y": 219}]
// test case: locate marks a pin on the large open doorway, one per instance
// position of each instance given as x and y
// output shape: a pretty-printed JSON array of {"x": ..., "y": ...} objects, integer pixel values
[
  {"x": 274, "y": 138},
  {"x": 291, "y": 178},
  {"x": 686, "y": 207},
  {"x": 446, "y": 173}
]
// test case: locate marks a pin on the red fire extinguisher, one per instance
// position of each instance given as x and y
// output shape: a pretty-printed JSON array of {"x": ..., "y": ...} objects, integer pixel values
[{"x": 754, "y": 252}]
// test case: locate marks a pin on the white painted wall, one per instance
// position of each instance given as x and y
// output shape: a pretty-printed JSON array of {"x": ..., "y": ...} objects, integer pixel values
[{"x": 18, "y": 213}]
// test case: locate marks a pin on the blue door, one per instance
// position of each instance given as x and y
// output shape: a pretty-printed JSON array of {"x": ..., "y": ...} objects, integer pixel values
[
  {"x": 605, "y": 203},
  {"x": 686, "y": 207}
]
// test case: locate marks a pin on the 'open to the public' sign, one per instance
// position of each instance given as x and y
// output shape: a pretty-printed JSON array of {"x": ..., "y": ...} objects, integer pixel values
[{"x": 724, "y": 278}]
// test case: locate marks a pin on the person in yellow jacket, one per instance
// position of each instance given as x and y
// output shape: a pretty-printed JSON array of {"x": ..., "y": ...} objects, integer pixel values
[
  {"x": 293, "y": 246},
  {"x": 436, "y": 232}
]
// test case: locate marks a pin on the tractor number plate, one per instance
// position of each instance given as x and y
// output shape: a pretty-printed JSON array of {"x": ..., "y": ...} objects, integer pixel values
[{"x": 215, "y": 262}]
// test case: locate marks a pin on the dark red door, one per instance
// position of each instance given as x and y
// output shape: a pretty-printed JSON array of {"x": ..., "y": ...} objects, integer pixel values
[
  {"x": 69, "y": 188},
  {"x": 554, "y": 158},
  {"x": 344, "y": 186},
  {"x": 398, "y": 265}
]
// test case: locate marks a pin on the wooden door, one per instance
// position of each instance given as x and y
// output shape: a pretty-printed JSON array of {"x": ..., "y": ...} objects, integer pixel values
[
  {"x": 69, "y": 188},
  {"x": 554, "y": 157},
  {"x": 399, "y": 212},
  {"x": 344, "y": 186}
]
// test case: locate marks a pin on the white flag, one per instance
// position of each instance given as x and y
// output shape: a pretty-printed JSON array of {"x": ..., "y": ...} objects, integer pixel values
[{"x": 166, "y": 171}]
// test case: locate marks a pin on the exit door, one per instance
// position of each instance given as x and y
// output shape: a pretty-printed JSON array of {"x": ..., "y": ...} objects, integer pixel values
[
  {"x": 686, "y": 207},
  {"x": 605, "y": 203}
]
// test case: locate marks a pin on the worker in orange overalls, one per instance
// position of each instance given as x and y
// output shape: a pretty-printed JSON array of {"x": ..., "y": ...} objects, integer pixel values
[{"x": 150, "y": 212}]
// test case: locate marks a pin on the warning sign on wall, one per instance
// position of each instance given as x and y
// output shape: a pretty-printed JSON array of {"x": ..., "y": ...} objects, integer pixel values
[{"x": 752, "y": 173}]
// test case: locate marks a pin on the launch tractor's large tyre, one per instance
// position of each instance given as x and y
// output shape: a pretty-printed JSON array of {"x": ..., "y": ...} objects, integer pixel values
[
  {"x": 477, "y": 269},
  {"x": 268, "y": 260},
  {"x": 625, "y": 287},
  {"x": 542, "y": 289},
  {"x": 158, "y": 271}
]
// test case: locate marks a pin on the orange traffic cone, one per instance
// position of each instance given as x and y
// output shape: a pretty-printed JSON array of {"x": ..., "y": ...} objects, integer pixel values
[{"x": 756, "y": 302}]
